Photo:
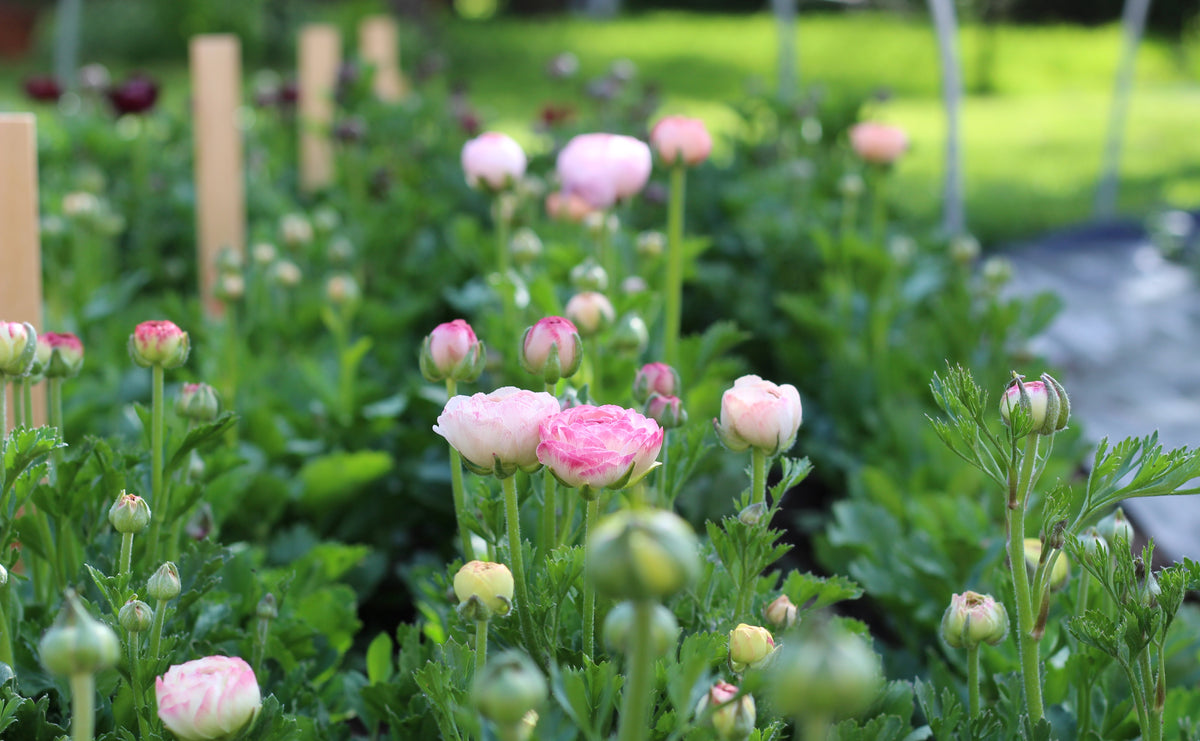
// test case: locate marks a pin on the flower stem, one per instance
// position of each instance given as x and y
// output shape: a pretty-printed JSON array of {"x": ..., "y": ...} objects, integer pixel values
[
  {"x": 481, "y": 638},
  {"x": 6, "y": 649},
  {"x": 457, "y": 489},
  {"x": 549, "y": 513},
  {"x": 3, "y": 417},
  {"x": 135, "y": 682},
  {"x": 815, "y": 728},
  {"x": 83, "y": 713},
  {"x": 27, "y": 392},
  {"x": 674, "y": 283},
  {"x": 590, "y": 515},
  {"x": 262, "y": 632},
  {"x": 126, "y": 553},
  {"x": 158, "y": 497},
  {"x": 1027, "y": 646},
  {"x": 18, "y": 408},
  {"x": 160, "y": 612},
  {"x": 639, "y": 687},
  {"x": 973, "y": 680},
  {"x": 758, "y": 476},
  {"x": 879, "y": 203},
  {"x": 54, "y": 386},
  {"x": 513, "y": 517}
]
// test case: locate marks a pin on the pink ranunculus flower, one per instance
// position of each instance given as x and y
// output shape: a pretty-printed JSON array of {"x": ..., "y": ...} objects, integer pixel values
[
  {"x": 207, "y": 699},
  {"x": 552, "y": 349},
  {"x": 759, "y": 414},
  {"x": 493, "y": 160},
  {"x": 878, "y": 143},
  {"x": 452, "y": 350},
  {"x": 603, "y": 168},
  {"x": 60, "y": 354},
  {"x": 605, "y": 447},
  {"x": 497, "y": 433},
  {"x": 160, "y": 343},
  {"x": 681, "y": 139},
  {"x": 655, "y": 378},
  {"x": 591, "y": 311}
]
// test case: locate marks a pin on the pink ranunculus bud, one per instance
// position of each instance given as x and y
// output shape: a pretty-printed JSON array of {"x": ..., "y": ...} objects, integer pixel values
[
  {"x": 606, "y": 447},
  {"x": 209, "y": 698},
  {"x": 730, "y": 721},
  {"x": 678, "y": 139},
  {"x": 603, "y": 168},
  {"x": 18, "y": 348},
  {"x": 877, "y": 143},
  {"x": 780, "y": 613},
  {"x": 61, "y": 354},
  {"x": 452, "y": 350},
  {"x": 759, "y": 414},
  {"x": 1045, "y": 403},
  {"x": 655, "y": 378},
  {"x": 552, "y": 349},
  {"x": 198, "y": 402},
  {"x": 591, "y": 311},
  {"x": 567, "y": 207},
  {"x": 159, "y": 343},
  {"x": 668, "y": 411},
  {"x": 972, "y": 619},
  {"x": 493, "y": 160},
  {"x": 497, "y": 433}
]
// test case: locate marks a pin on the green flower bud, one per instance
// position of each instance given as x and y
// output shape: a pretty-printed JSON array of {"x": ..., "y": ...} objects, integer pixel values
[
  {"x": 749, "y": 647},
  {"x": 618, "y": 625},
  {"x": 61, "y": 355},
  {"x": 825, "y": 670},
  {"x": 164, "y": 584},
  {"x": 18, "y": 348},
  {"x": 508, "y": 687},
  {"x": 3, "y": 577},
  {"x": 588, "y": 276},
  {"x": 129, "y": 514},
  {"x": 972, "y": 619},
  {"x": 483, "y": 590},
  {"x": 197, "y": 402},
  {"x": 1062, "y": 568},
  {"x": 630, "y": 336},
  {"x": 1116, "y": 527},
  {"x": 136, "y": 616},
  {"x": 267, "y": 608},
  {"x": 77, "y": 643},
  {"x": 643, "y": 554}
]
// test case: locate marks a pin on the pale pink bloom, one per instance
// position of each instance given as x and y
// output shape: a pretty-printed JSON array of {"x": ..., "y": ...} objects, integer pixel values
[
  {"x": 655, "y": 378},
  {"x": 160, "y": 343},
  {"x": 599, "y": 447},
  {"x": 591, "y": 311},
  {"x": 552, "y": 349},
  {"x": 451, "y": 349},
  {"x": 722, "y": 692},
  {"x": 681, "y": 139},
  {"x": 209, "y": 698},
  {"x": 759, "y": 414},
  {"x": 1039, "y": 398},
  {"x": 877, "y": 143},
  {"x": 497, "y": 432},
  {"x": 494, "y": 159},
  {"x": 602, "y": 168}
]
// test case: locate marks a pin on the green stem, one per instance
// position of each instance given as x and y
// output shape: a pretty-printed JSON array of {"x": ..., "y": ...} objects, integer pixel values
[
  {"x": 27, "y": 392},
  {"x": 673, "y": 290},
  {"x": 262, "y": 632},
  {"x": 457, "y": 489},
  {"x": 1027, "y": 647},
  {"x": 879, "y": 204},
  {"x": 54, "y": 386},
  {"x": 590, "y": 515},
  {"x": 506, "y": 287},
  {"x": 1153, "y": 730},
  {"x": 156, "y": 630},
  {"x": 481, "y": 635},
  {"x": 158, "y": 497},
  {"x": 6, "y": 649},
  {"x": 135, "y": 682},
  {"x": 568, "y": 521},
  {"x": 639, "y": 689},
  {"x": 126, "y": 553},
  {"x": 3, "y": 418},
  {"x": 758, "y": 476},
  {"x": 83, "y": 713},
  {"x": 812, "y": 728},
  {"x": 973, "y": 680},
  {"x": 18, "y": 407},
  {"x": 1083, "y": 686},
  {"x": 549, "y": 512},
  {"x": 664, "y": 500},
  {"x": 1133, "y": 674},
  {"x": 512, "y": 515}
]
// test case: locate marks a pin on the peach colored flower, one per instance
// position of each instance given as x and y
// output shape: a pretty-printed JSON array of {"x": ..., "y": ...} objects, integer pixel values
[
  {"x": 878, "y": 143},
  {"x": 681, "y": 139}
]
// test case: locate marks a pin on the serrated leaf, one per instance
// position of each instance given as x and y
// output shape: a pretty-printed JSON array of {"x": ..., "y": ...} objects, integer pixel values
[
  {"x": 811, "y": 592},
  {"x": 198, "y": 437},
  {"x": 379, "y": 659}
]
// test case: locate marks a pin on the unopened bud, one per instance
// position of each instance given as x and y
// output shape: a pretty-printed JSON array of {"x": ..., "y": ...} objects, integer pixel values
[
  {"x": 61, "y": 354},
  {"x": 159, "y": 343},
  {"x": 630, "y": 336},
  {"x": 508, "y": 687},
  {"x": 749, "y": 647},
  {"x": 780, "y": 613},
  {"x": 552, "y": 349},
  {"x": 164, "y": 584},
  {"x": 264, "y": 253},
  {"x": 197, "y": 402},
  {"x": 588, "y": 276},
  {"x": 972, "y": 619},
  {"x": 1062, "y": 568},
  {"x": 618, "y": 627},
  {"x": 753, "y": 514},
  {"x": 77, "y": 643},
  {"x": 667, "y": 411},
  {"x": 452, "y": 350},
  {"x": 3, "y": 576},
  {"x": 655, "y": 378},
  {"x": 525, "y": 246},
  {"x": 1045, "y": 403},
  {"x": 964, "y": 249},
  {"x": 651, "y": 244},
  {"x": 1116, "y": 527},
  {"x": 136, "y": 616},
  {"x": 267, "y": 608},
  {"x": 286, "y": 273},
  {"x": 483, "y": 590},
  {"x": 731, "y": 720},
  {"x": 18, "y": 348},
  {"x": 129, "y": 513},
  {"x": 643, "y": 554},
  {"x": 1091, "y": 543},
  {"x": 343, "y": 291},
  {"x": 825, "y": 671},
  {"x": 850, "y": 186},
  {"x": 591, "y": 312}
]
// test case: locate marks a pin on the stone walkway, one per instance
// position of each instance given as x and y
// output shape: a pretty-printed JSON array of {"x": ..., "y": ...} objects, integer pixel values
[{"x": 1128, "y": 343}]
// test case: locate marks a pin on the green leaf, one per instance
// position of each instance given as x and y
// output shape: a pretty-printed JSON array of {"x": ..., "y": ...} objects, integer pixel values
[
  {"x": 379, "y": 659},
  {"x": 821, "y": 591},
  {"x": 588, "y": 695},
  {"x": 334, "y": 479},
  {"x": 198, "y": 437}
]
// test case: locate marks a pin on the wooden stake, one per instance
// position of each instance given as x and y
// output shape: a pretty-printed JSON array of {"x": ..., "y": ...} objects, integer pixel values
[
  {"x": 320, "y": 57},
  {"x": 378, "y": 45},
  {"x": 20, "y": 248},
  {"x": 216, "y": 66}
]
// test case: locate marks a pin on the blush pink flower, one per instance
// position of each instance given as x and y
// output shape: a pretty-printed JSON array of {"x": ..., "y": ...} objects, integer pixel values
[
  {"x": 552, "y": 349},
  {"x": 493, "y": 160},
  {"x": 210, "y": 698},
  {"x": 591, "y": 311},
  {"x": 497, "y": 433},
  {"x": 605, "y": 447},
  {"x": 655, "y": 378},
  {"x": 452, "y": 350},
  {"x": 877, "y": 143},
  {"x": 60, "y": 354},
  {"x": 160, "y": 343},
  {"x": 759, "y": 414},
  {"x": 681, "y": 139},
  {"x": 603, "y": 168}
]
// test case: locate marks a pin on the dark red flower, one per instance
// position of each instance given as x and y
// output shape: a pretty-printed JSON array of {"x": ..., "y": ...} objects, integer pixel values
[
  {"x": 43, "y": 87},
  {"x": 137, "y": 94}
]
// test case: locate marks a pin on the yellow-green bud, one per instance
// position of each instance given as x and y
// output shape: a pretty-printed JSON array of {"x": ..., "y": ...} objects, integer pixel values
[
  {"x": 643, "y": 554},
  {"x": 268, "y": 608},
  {"x": 484, "y": 590},
  {"x": 197, "y": 402},
  {"x": 749, "y": 647},
  {"x": 135, "y": 616},
  {"x": 508, "y": 687},
  {"x": 1062, "y": 568},
  {"x": 77, "y": 643},
  {"x": 18, "y": 348},
  {"x": 826, "y": 671},
  {"x": 164, "y": 584},
  {"x": 731, "y": 720},
  {"x": 618, "y": 625},
  {"x": 972, "y": 619},
  {"x": 1116, "y": 527},
  {"x": 129, "y": 514}
]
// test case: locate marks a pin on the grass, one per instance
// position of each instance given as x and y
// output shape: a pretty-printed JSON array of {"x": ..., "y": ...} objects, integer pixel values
[{"x": 1032, "y": 147}]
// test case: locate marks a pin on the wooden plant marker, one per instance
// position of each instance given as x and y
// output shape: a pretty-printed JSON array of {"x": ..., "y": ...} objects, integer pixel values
[
  {"x": 20, "y": 246},
  {"x": 378, "y": 46},
  {"x": 216, "y": 68},
  {"x": 320, "y": 57}
]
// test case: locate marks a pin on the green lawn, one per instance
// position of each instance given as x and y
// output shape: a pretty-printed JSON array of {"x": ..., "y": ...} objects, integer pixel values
[{"x": 1032, "y": 147}]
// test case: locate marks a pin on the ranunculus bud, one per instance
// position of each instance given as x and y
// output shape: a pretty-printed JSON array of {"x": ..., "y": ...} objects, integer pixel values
[
  {"x": 1062, "y": 568},
  {"x": 197, "y": 402},
  {"x": 877, "y": 143},
  {"x": 264, "y": 253},
  {"x": 508, "y": 687},
  {"x": 267, "y": 607},
  {"x": 497, "y": 433},
  {"x": 62, "y": 354},
  {"x": 997, "y": 272},
  {"x": 208, "y": 699},
  {"x": 159, "y": 343},
  {"x": 964, "y": 249},
  {"x": 604, "y": 168},
  {"x": 1045, "y": 402},
  {"x": 643, "y": 554},
  {"x": 164, "y": 584},
  {"x": 295, "y": 230},
  {"x": 1116, "y": 527},
  {"x": 972, "y": 619},
  {"x": 731, "y": 720},
  {"x": 651, "y": 244},
  {"x": 618, "y": 626},
  {"x": 667, "y": 411},
  {"x": 633, "y": 285},
  {"x": 591, "y": 312},
  {"x": 525, "y": 246},
  {"x": 493, "y": 160},
  {"x": 135, "y": 616},
  {"x": 230, "y": 287},
  {"x": 567, "y": 207},
  {"x": 286, "y": 273},
  {"x": 678, "y": 139},
  {"x": 452, "y": 350},
  {"x": 759, "y": 414},
  {"x": 749, "y": 646},
  {"x": 631, "y": 336},
  {"x": 77, "y": 643},
  {"x": 484, "y": 590},
  {"x": 824, "y": 671},
  {"x": 552, "y": 349},
  {"x": 137, "y": 94},
  {"x": 850, "y": 186},
  {"x": 129, "y": 514},
  {"x": 343, "y": 291},
  {"x": 655, "y": 378},
  {"x": 1091, "y": 543},
  {"x": 780, "y": 613},
  {"x": 589, "y": 276},
  {"x": 18, "y": 346},
  {"x": 753, "y": 514}
]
